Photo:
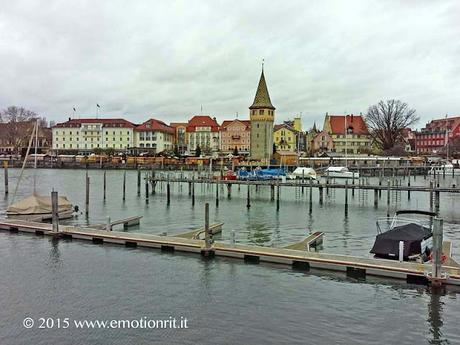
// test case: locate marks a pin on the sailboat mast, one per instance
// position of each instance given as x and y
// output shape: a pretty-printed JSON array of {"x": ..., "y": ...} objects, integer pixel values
[
  {"x": 447, "y": 141},
  {"x": 35, "y": 158},
  {"x": 346, "y": 137}
]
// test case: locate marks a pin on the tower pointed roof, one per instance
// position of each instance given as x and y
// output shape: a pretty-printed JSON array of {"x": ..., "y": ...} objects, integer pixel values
[{"x": 262, "y": 98}]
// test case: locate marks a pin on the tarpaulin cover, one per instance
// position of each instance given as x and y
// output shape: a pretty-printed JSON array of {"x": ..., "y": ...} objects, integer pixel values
[
  {"x": 36, "y": 204},
  {"x": 412, "y": 234}
]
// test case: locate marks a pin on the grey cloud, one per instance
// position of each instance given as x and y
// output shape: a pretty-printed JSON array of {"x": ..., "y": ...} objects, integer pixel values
[{"x": 166, "y": 59}]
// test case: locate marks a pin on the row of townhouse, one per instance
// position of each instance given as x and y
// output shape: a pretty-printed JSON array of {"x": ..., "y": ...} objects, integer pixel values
[
  {"x": 437, "y": 134},
  {"x": 87, "y": 135},
  {"x": 341, "y": 133}
]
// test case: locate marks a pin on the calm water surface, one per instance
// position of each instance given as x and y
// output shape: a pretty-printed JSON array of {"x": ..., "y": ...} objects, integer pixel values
[{"x": 226, "y": 301}]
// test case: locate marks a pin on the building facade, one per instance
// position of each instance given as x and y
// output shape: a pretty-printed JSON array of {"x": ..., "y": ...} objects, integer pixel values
[
  {"x": 321, "y": 142},
  {"x": 285, "y": 138},
  {"x": 349, "y": 133},
  {"x": 180, "y": 136},
  {"x": 85, "y": 135},
  {"x": 154, "y": 136},
  {"x": 434, "y": 137},
  {"x": 262, "y": 115},
  {"x": 15, "y": 137},
  {"x": 235, "y": 134},
  {"x": 203, "y": 132}
]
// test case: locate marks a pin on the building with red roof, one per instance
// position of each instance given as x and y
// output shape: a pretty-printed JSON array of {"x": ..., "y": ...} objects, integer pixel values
[
  {"x": 85, "y": 135},
  {"x": 349, "y": 133},
  {"x": 154, "y": 136},
  {"x": 437, "y": 134},
  {"x": 203, "y": 132},
  {"x": 236, "y": 134}
]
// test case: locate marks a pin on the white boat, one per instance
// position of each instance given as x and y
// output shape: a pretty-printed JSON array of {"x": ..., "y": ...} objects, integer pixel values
[
  {"x": 340, "y": 172},
  {"x": 447, "y": 168},
  {"x": 303, "y": 172}
]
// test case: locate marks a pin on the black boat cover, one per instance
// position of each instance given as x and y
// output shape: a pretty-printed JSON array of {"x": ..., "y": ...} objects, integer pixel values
[{"x": 387, "y": 243}]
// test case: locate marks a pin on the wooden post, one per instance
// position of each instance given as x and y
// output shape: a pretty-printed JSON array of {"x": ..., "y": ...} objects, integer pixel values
[
  {"x": 272, "y": 192},
  {"x": 124, "y": 185},
  {"x": 217, "y": 193},
  {"x": 346, "y": 197},
  {"x": 436, "y": 201},
  {"x": 5, "y": 168},
  {"x": 146, "y": 189},
  {"x": 431, "y": 195},
  {"x": 207, "y": 234},
  {"x": 87, "y": 195},
  {"x": 376, "y": 198},
  {"x": 408, "y": 187},
  {"x": 320, "y": 195},
  {"x": 353, "y": 189},
  {"x": 248, "y": 198},
  {"x": 55, "y": 210},
  {"x": 138, "y": 182},
  {"x": 193, "y": 190},
  {"x": 105, "y": 184},
  {"x": 303, "y": 179},
  {"x": 168, "y": 193},
  {"x": 388, "y": 197},
  {"x": 278, "y": 191},
  {"x": 229, "y": 190},
  {"x": 189, "y": 188},
  {"x": 310, "y": 195},
  {"x": 437, "y": 250}
]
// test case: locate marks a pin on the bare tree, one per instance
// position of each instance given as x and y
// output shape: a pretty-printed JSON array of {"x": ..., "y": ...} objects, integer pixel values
[
  {"x": 18, "y": 124},
  {"x": 386, "y": 120}
]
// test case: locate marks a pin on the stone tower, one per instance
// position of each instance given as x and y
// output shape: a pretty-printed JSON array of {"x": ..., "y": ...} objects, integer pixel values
[{"x": 262, "y": 115}]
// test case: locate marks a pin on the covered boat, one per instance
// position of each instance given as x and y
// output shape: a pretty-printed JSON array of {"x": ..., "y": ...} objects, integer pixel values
[
  {"x": 36, "y": 207},
  {"x": 341, "y": 172},
  {"x": 415, "y": 235},
  {"x": 303, "y": 172}
]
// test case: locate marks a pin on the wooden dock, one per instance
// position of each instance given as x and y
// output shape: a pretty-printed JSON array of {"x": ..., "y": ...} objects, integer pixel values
[
  {"x": 306, "y": 184},
  {"x": 357, "y": 267}
]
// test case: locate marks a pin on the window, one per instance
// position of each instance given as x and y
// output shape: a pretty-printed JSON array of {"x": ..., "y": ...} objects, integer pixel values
[{"x": 261, "y": 112}]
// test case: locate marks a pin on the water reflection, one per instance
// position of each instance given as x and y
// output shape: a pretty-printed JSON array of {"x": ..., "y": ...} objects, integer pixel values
[{"x": 435, "y": 309}]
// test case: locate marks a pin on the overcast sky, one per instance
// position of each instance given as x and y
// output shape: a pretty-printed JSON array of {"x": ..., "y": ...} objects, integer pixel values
[{"x": 164, "y": 59}]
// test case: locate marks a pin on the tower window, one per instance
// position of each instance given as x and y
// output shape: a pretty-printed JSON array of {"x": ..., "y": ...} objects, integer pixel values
[{"x": 261, "y": 112}]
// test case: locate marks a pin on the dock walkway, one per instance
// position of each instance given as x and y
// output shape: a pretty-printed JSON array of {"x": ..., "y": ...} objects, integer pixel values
[{"x": 357, "y": 267}]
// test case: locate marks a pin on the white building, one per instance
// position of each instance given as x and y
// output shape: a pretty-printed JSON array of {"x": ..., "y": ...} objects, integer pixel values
[
  {"x": 154, "y": 135},
  {"x": 85, "y": 135},
  {"x": 203, "y": 131}
]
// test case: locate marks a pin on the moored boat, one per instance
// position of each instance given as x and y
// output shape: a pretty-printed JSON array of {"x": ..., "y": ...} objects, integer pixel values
[
  {"x": 415, "y": 234},
  {"x": 39, "y": 208},
  {"x": 340, "y": 172},
  {"x": 303, "y": 172}
]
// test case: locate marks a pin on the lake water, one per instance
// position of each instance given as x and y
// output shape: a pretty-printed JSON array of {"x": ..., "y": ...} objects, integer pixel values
[{"x": 225, "y": 301}]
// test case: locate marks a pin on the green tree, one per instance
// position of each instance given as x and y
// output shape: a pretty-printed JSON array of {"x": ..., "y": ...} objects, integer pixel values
[
  {"x": 110, "y": 151},
  {"x": 198, "y": 151},
  {"x": 98, "y": 151},
  {"x": 176, "y": 151}
]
